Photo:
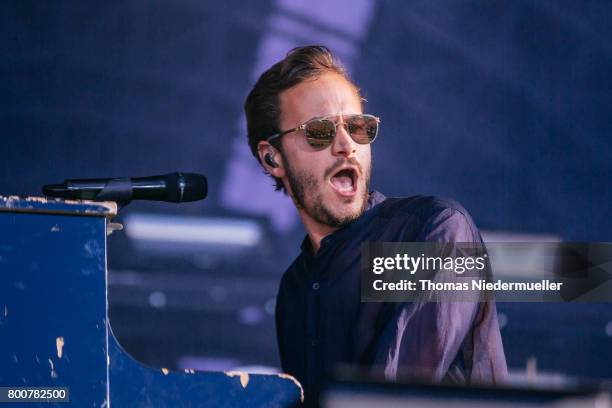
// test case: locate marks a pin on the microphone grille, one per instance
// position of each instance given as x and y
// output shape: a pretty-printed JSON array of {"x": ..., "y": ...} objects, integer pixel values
[{"x": 185, "y": 187}]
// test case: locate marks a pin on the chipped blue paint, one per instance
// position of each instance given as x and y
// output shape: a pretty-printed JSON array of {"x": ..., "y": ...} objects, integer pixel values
[
  {"x": 53, "y": 284},
  {"x": 55, "y": 206},
  {"x": 46, "y": 296}
]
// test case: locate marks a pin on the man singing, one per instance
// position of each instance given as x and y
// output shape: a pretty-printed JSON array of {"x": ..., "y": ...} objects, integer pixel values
[{"x": 307, "y": 128}]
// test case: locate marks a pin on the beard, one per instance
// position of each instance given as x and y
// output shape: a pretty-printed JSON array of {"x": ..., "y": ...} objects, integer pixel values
[{"x": 304, "y": 185}]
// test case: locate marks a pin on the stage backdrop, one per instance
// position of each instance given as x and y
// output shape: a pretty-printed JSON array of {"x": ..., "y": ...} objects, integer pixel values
[{"x": 504, "y": 106}]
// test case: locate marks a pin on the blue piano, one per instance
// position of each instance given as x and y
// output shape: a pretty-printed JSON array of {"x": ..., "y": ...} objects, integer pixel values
[{"x": 54, "y": 326}]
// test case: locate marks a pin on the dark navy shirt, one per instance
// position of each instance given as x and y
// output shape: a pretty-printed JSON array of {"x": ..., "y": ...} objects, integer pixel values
[{"x": 321, "y": 322}]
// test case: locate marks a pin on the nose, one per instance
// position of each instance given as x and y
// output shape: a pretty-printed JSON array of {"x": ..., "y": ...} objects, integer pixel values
[{"x": 343, "y": 144}]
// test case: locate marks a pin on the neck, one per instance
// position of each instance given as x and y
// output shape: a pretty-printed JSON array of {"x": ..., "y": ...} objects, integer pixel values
[{"x": 316, "y": 231}]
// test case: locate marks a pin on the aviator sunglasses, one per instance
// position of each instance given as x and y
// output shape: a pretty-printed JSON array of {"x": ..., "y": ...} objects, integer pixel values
[{"x": 320, "y": 132}]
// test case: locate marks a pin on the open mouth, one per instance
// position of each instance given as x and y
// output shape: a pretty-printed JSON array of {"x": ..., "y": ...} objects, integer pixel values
[{"x": 345, "y": 182}]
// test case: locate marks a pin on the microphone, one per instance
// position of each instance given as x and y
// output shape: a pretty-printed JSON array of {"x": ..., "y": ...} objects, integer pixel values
[{"x": 172, "y": 187}]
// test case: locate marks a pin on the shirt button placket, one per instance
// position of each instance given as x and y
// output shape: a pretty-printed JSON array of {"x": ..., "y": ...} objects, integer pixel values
[{"x": 315, "y": 342}]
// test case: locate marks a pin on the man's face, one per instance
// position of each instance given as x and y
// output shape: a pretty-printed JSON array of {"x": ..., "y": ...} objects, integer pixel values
[{"x": 330, "y": 185}]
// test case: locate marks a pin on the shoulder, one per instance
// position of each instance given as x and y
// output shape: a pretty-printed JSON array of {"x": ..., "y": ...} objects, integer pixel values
[
  {"x": 435, "y": 218},
  {"x": 420, "y": 205}
]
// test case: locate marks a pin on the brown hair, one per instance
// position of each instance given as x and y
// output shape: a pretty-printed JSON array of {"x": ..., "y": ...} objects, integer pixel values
[{"x": 262, "y": 106}]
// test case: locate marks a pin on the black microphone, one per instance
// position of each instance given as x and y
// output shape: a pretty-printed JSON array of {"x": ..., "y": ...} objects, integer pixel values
[{"x": 172, "y": 187}]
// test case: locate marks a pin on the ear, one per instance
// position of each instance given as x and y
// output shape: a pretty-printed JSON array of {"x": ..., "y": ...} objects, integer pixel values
[{"x": 264, "y": 148}]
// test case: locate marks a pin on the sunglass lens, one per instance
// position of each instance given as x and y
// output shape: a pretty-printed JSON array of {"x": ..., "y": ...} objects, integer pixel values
[
  {"x": 363, "y": 128},
  {"x": 320, "y": 133}
]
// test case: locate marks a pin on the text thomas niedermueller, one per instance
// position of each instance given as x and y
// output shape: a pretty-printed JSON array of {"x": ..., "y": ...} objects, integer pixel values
[
  {"x": 457, "y": 264},
  {"x": 479, "y": 285}
]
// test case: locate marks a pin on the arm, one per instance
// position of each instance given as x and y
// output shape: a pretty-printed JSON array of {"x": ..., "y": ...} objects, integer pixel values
[{"x": 457, "y": 341}]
